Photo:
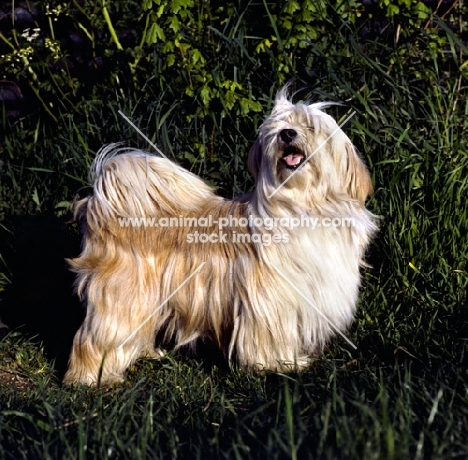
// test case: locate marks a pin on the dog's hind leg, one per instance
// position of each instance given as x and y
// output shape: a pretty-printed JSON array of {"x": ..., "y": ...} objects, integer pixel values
[{"x": 102, "y": 351}]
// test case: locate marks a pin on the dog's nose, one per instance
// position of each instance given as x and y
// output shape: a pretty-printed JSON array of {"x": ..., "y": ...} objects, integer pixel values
[{"x": 287, "y": 135}]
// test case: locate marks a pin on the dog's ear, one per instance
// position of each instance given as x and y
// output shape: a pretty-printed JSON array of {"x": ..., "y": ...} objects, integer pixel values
[
  {"x": 255, "y": 159},
  {"x": 358, "y": 180}
]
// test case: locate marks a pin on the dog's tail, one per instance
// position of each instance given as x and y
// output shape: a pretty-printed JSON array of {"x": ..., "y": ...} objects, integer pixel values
[{"x": 131, "y": 183}]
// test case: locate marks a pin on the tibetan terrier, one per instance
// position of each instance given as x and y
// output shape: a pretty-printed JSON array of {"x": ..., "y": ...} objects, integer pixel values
[{"x": 268, "y": 277}]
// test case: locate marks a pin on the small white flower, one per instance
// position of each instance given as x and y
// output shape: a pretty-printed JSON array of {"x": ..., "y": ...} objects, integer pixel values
[{"x": 31, "y": 36}]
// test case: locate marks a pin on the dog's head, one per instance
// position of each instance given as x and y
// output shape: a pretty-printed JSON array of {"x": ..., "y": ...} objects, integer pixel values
[{"x": 301, "y": 148}]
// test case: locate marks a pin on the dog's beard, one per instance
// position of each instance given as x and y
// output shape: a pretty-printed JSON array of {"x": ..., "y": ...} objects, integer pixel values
[{"x": 265, "y": 305}]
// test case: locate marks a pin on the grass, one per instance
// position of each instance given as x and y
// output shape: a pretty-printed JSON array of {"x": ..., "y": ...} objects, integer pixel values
[
  {"x": 402, "y": 394},
  {"x": 344, "y": 406}
]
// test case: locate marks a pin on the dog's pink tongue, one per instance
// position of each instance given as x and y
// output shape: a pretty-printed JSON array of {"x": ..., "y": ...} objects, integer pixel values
[{"x": 293, "y": 159}]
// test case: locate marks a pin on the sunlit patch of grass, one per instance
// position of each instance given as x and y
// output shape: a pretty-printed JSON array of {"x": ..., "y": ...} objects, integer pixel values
[{"x": 23, "y": 366}]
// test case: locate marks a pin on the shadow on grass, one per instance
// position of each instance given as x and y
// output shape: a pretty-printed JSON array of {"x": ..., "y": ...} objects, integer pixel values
[{"x": 40, "y": 301}]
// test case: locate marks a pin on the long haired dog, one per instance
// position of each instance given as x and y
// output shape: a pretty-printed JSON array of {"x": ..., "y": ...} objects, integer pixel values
[{"x": 268, "y": 277}]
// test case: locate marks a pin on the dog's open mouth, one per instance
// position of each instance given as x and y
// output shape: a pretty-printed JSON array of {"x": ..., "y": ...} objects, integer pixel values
[{"x": 292, "y": 157}]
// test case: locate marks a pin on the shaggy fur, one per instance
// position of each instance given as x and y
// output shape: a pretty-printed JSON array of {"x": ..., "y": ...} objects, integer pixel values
[{"x": 269, "y": 298}]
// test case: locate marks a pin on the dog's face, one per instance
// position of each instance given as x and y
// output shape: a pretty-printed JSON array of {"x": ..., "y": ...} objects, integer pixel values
[{"x": 300, "y": 147}]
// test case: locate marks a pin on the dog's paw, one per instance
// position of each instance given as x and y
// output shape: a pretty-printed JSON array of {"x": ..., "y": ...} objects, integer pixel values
[{"x": 153, "y": 353}]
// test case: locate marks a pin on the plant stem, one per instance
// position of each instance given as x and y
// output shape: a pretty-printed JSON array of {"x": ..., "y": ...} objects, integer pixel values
[{"x": 112, "y": 31}]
